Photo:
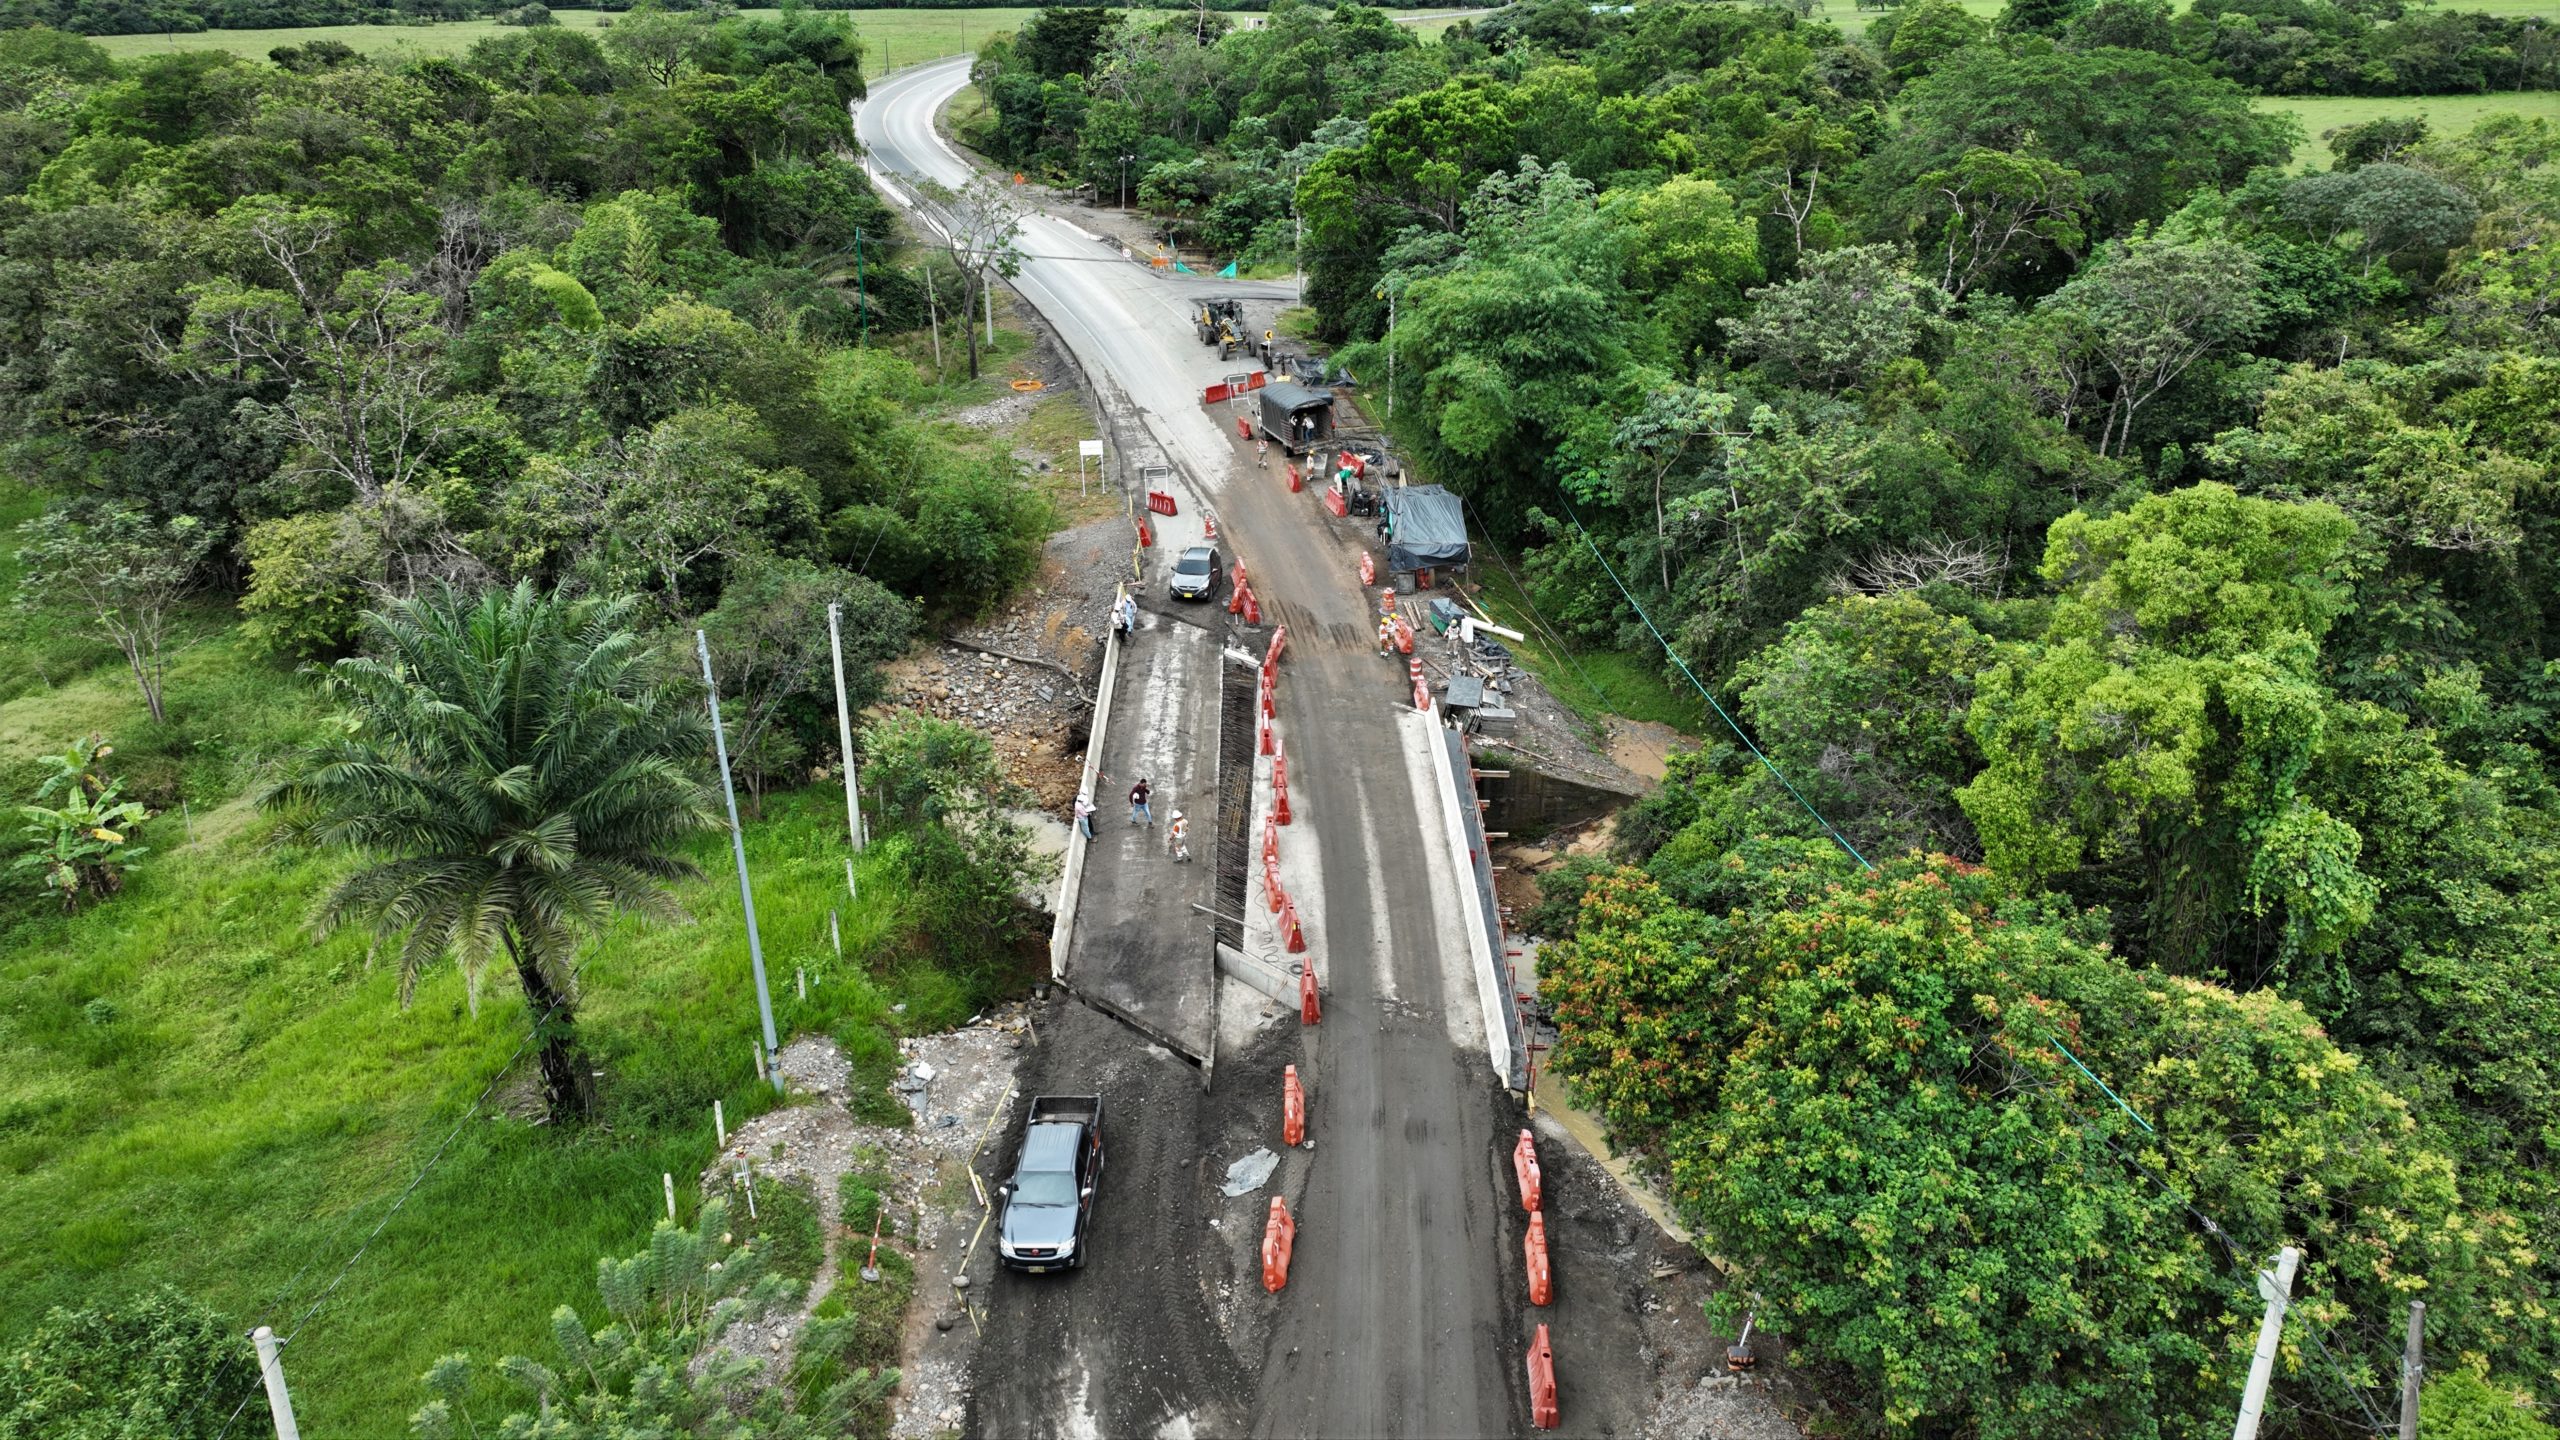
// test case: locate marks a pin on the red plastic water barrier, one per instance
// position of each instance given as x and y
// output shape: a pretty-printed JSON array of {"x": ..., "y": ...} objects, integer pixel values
[
  {"x": 1293, "y": 1108},
  {"x": 1280, "y": 788},
  {"x": 1542, "y": 1287},
  {"x": 1263, "y": 738},
  {"x": 1271, "y": 884},
  {"x": 1271, "y": 657},
  {"x": 1404, "y": 638},
  {"x": 1357, "y": 465},
  {"x": 1244, "y": 427},
  {"x": 1215, "y": 393},
  {"x": 1524, "y": 1164},
  {"x": 1368, "y": 569},
  {"x": 1271, "y": 852},
  {"x": 1295, "y": 484},
  {"x": 1421, "y": 692},
  {"x": 1252, "y": 607},
  {"x": 1543, "y": 1413},
  {"x": 1290, "y": 931},
  {"x": 1235, "y": 595},
  {"x": 1160, "y": 502},
  {"x": 1256, "y": 380},
  {"x": 1145, "y": 536},
  {"x": 1265, "y": 698},
  {"x": 1334, "y": 502},
  {"x": 1310, "y": 1009},
  {"x": 1209, "y": 531},
  {"x": 1279, "y": 1237},
  {"x": 1239, "y": 567}
]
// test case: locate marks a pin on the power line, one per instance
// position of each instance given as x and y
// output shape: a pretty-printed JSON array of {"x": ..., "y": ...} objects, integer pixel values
[
  {"x": 1703, "y": 693},
  {"x": 1538, "y": 618}
]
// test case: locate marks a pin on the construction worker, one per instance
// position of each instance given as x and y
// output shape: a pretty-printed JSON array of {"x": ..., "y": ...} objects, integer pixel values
[
  {"x": 1084, "y": 814},
  {"x": 1177, "y": 837},
  {"x": 1262, "y": 453},
  {"x": 1139, "y": 814},
  {"x": 1386, "y": 633}
]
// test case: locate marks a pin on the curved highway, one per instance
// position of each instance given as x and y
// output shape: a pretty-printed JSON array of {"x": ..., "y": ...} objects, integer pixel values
[
  {"x": 1120, "y": 318},
  {"x": 1405, "y": 1313}
]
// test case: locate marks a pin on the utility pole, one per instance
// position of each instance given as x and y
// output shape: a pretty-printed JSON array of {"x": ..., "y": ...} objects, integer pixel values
[
  {"x": 771, "y": 1060},
  {"x": 844, "y": 730},
  {"x": 271, "y": 1367},
  {"x": 989, "y": 291},
  {"x": 2411, "y": 1367},
  {"x": 2277, "y": 1289},
  {"x": 861, "y": 292}
]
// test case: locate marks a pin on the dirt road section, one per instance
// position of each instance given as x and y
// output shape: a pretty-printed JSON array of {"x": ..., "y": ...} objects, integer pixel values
[
  {"x": 1133, "y": 1343},
  {"x": 1139, "y": 948}
]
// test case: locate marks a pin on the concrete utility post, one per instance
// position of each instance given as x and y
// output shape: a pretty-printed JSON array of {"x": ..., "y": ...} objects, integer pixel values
[
  {"x": 844, "y": 730},
  {"x": 2411, "y": 1367},
  {"x": 770, "y": 1060},
  {"x": 271, "y": 1368},
  {"x": 2278, "y": 1292}
]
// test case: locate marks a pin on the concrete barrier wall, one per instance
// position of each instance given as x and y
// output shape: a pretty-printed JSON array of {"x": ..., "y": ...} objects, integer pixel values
[
  {"x": 1062, "y": 927},
  {"x": 1463, "y": 832}
]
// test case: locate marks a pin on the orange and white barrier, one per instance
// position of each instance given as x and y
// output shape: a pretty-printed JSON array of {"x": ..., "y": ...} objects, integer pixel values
[
  {"x": 1368, "y": 569},
  {"x": 1293, "y": 1108},
  {"x": 1541, "y": 1283},
  {"x": 1310, "y": 1009},
  {"x": 1524, "y": 1164},
  {"x": 1292, "y": 934},
  {"x": 1279, "y": 1238},
  {"x": 1543, "y": 1411}
]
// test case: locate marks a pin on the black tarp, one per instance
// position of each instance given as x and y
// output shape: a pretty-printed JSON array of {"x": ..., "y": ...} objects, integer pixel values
[{"x": 1426, "y": 527}]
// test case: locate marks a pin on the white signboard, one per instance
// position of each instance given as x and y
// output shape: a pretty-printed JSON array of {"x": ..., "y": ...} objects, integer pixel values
[{"x": 1089, "y": 449}]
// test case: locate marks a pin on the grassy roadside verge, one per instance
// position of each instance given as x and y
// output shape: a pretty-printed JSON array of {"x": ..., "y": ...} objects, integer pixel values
[{"x": 1590, "y": 681}]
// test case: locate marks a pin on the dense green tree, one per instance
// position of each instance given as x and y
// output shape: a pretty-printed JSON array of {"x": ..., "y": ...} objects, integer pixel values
[
  {"x": 516, "y": 776},
  {"x": 2151, "y": 744},
  {"x": 1855, "y": 1084},
  {"x": 1849, "y": 314},
  {"x": 770, "y": 647},
  {"x": 2145, "y": 131},
  {"x": 1863, "y": 701}
]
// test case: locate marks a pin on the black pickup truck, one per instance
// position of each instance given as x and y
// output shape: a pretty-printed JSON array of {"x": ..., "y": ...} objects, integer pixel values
[{"x": 1049, "y": 1201}]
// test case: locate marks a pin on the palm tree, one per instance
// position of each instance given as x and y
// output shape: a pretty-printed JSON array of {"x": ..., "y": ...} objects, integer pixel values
[{"x": 520, "y": 776}]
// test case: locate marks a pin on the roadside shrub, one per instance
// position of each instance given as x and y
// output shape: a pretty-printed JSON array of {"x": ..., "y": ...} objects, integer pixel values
[{"x": 157, "y": 1367}]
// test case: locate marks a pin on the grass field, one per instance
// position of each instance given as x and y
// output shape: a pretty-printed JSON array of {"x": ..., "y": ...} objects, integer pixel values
[
  {"x": 894, "y": 37},
  {"x": 1854, "y": 21},
  {"x": 2445, "y": 114}
]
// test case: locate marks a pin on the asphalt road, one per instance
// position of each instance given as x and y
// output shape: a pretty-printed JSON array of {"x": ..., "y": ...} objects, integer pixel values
[
  {"x": 1403, "y": 1315},
  {"x": 1118, "y": 317}
]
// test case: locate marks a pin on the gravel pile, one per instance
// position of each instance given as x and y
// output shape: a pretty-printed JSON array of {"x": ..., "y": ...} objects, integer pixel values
[
  {"x": 930, "y": 1204},
  {"x": 1719, "y": 1407}
]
